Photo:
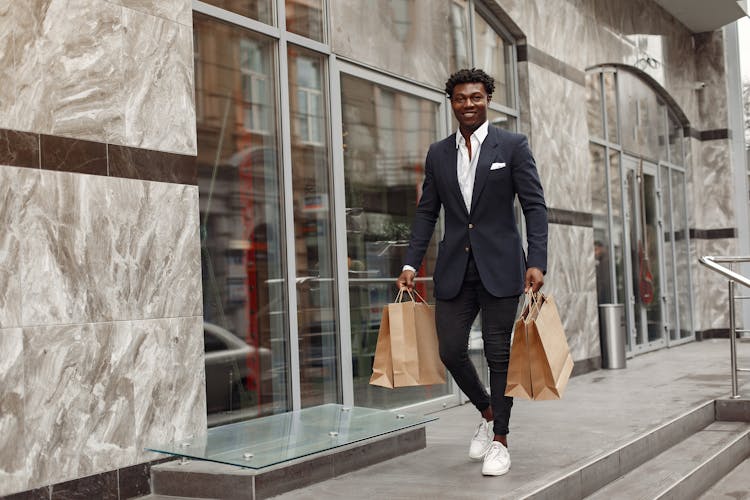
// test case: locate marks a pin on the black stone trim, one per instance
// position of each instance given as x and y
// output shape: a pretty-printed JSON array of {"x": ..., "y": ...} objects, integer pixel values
[
  {"x": 716, "y": 134},
  {"x": 713, "y": 234},
  {"x": 713, "y": 333},
  {"x": 707, "y": 135},
  {"x": 522, "y": 53},
  {"x": 64, "y": 154},
  {"x": 546, "y": 61},
  {"x": 122, "y": 484},
  {"x": 583, "y": 366},
  {"x": 569, "y": 217}
]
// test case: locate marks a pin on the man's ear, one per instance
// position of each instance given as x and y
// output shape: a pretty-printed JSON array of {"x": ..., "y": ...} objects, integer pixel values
[{"x": 489, "y": 97}]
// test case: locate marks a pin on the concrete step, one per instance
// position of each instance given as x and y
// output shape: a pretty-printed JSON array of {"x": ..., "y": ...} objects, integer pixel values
[
  {"x": 167, "y": 497},
  {"x": 687, "y": 469},
  {"x": 734, "y": 486}
]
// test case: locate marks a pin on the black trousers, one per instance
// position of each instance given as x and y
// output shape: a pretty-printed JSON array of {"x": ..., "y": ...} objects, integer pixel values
[{"x": 453, "y": 319}]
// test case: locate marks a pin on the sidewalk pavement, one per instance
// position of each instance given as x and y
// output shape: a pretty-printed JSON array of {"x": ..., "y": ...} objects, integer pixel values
[{"x": 600, "y": 411}]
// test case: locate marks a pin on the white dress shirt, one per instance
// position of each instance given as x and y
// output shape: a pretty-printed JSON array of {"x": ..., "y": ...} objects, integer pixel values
[{"x": 466, "y": 167}]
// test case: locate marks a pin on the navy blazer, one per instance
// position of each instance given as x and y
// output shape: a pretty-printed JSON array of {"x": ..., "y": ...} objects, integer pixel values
[{"x": 489, "y": 229}]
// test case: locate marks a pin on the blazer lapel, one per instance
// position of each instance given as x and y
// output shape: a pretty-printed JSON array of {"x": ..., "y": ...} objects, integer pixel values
[
  {"x": 486, "y": 155},
  {"x": 451, "y": 164}
]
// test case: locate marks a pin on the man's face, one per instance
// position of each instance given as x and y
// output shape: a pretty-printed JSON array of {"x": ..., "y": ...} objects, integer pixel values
[{"x": 469, "y": 102}]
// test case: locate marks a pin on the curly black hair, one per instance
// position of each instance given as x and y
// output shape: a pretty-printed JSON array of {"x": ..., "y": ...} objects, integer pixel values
[{"x": 472, "y": 75}]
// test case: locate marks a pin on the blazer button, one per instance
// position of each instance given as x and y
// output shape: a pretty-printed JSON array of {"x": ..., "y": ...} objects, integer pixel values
[{"x": 471, "y": 226}]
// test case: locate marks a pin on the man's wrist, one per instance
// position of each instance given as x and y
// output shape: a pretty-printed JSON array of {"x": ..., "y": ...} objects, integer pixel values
[{"x": 407, "y": 267}]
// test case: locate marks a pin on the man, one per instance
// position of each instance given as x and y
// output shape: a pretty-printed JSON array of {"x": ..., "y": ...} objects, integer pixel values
[{"x": 475, "y": 175}]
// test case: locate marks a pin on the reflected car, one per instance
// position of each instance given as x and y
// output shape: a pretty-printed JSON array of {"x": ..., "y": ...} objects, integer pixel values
[{"x": 228, "y": 375}]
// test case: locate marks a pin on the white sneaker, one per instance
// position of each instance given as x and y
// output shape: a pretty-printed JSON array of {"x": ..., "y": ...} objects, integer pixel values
[
  {"x": 497, "y": 460},
  {"x": 481, "y": 441}
]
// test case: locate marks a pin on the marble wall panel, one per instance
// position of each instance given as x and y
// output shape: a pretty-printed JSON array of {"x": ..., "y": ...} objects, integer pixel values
[
  {"x": 80, "y": 52},
  {"x": 560, "y": 133},
  {"x": 170, "y": 401},
  {"x": 571, "y": 267},
  {"x": 8, "y": 88},
  {"x": 709, "y": 61},
  {"x": 90, "y": 68},
  {"x": 713, "y": 186},
  {"x": 578, "y": 312},
  {"x": 79, "y": 400},
  {"x": 14, "y": 187},
  {"x": 14, "y": 469},
  {"x": 710, "y": 308},
  {"x": 180, "y": 11},
  {"x": 160, "y": 109},
  {"x": 20, "y": 23},
  {"x": 101, "y": 249}
]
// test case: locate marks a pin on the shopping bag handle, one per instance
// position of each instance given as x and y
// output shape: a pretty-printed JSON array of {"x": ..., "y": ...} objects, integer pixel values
[{"x": 411, "y": 293}]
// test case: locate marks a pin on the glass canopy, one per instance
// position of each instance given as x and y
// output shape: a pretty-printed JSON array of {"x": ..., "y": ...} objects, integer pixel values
[{"x": 278, "y": 438}]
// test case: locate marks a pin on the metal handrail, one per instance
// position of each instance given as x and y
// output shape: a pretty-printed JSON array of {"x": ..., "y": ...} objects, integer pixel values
[{"x": 733, "y": 278}]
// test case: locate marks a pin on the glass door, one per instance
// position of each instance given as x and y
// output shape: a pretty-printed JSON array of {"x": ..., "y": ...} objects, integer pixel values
[
  {"x": 387, "y": 127},
  {"x": 643, "y": 228}
]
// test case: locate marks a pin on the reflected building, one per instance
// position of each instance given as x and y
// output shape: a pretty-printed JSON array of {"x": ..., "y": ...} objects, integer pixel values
[{"x": 205, "y": 204}]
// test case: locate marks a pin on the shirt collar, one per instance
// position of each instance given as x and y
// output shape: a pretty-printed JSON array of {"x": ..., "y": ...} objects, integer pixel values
[{"x": 480, "y": 134}]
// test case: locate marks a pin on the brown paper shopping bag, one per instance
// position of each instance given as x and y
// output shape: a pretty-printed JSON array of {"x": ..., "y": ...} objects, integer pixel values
[
  {"x": 407, "y": 350},
  {"x": 541, "y": 367}
]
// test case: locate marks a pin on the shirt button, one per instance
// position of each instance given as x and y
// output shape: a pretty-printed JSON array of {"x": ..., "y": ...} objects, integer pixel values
[
  {"x": 471, "y": 226},
  {"x": 467, "y": 249}
]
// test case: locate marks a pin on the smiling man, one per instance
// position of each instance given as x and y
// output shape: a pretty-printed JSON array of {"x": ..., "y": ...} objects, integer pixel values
[{"x": 475, "y": 176}]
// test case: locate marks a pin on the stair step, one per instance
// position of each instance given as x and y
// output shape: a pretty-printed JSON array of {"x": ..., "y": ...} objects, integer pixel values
[
  {"x": 686, "y": 469},
  {"x": 735, "y": 485}
]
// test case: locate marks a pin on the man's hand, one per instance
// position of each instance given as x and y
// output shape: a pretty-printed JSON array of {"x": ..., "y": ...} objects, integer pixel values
[
  {"x": 534, "y": 279},
  {"x": 406, "y": 280}
]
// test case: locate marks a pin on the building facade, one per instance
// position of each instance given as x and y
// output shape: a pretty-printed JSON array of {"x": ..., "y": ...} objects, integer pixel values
[{"x": 204, "y": 205}]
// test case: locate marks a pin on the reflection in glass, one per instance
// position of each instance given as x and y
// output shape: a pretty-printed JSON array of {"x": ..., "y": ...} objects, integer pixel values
[
  {"x": 594, "y": 105},
  {"x": 601, "y": 226},
  {"x": 643, "y": 119},
  {"x": 244, "y": 303},
  {"x": 260, "y": 10},
  {"x": 386, "y": 135},
  {"x": 424, "y": 40},
  {"x": 494, "y": 56},
  {"x": 313, "y": 243},
  {"x": 649, "y": 261},
  {"x": 305, "y": 17},
  {"x": 682, "y": 253}
]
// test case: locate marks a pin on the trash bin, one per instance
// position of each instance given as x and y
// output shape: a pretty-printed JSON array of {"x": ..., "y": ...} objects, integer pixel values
[{"x": 612, "y": 334}]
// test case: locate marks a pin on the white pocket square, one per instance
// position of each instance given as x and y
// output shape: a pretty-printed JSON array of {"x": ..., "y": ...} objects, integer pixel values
[{"x": 496, "y": 166}]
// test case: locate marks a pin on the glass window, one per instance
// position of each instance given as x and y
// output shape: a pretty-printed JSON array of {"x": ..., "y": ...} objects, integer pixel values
[
  {"x": 643, "y": 119},
  {"x": 598, "y": 162},
  {"x": 497, "y": 119},
  {"x": 260, "y": 10},
  {"x": 494, "y": 55},
  {"x": 676, "y": 155},
  {"x": 618, "y": 237},
  {"x": 305, "y": 17},
  {"x": 315, "y": 259},
  {"x": 667, "y": 236},
  {"x": 610, "y": 99},
  {"x": 244, "y": 300},
  {"x": 386, "y": 136},
  {"x": 682, "y": 253},
  {"x": 426, "y": 44},
  {"x": 594, "y": 113}
]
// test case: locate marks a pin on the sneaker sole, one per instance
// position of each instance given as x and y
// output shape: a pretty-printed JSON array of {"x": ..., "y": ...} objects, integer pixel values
[
  {"x": 499, "y": 473},
  {"x": 479, "y": 458}
]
